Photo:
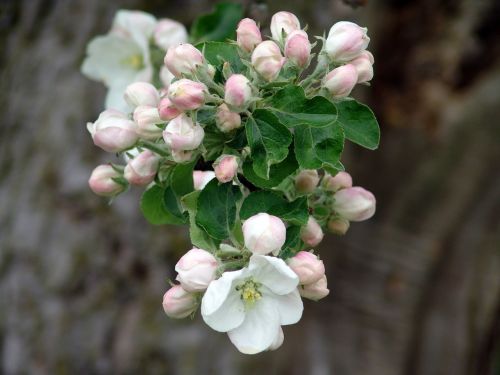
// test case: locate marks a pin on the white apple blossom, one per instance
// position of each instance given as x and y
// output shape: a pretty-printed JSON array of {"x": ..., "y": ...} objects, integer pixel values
[{"x": 253, "y": 303}]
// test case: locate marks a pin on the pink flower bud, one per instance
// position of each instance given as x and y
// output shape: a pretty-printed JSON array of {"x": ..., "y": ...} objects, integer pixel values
[
  {"x": 340, "y": 81},
  {"x": 141, "y": 93},
  {"x": 338, "y": 226},
  {"x": 226, "y": 168},
  {"x": 178, "y": 303},
  {"x": 202, "y": 178},
  {"x": 226, "y": 120},
  {"x": 196, "y": 269},
  {"x": 113, "y": 131},
  {"x": 307, "y": 266},
  {"x": 169, "y": 33},
  {"x": 341, "y": 180},
  {"x": 364, "y": 66},
  {"x": 147, "y": 118},
  {"x": 346, "y": 41},
  {"x": 182, "y": 134},
  {"x": 183, "y": 59},
  {"x": 315, "y": 291},
  {"x": 311, "y": 233},
  {"x": 267, "y": 60},
  {"x": 298, "y": 48},
  {"x": 181, "y": 156},
  {"x": 166, "y": 77},
  {"x": 142, "y": 169},
  {"x": 354, "y": 203},
  {"x": 238, "y": 91},
  {"x": 306, "y": 181},
  {"x": 167, "y": 110},
  {"x": 186, "y": 94},
  {"x": 264, "y": 233},
  {"x": 101, "y": 181},
  {"x": 282, "y": 24},
  {"x": 248, "y": 34}
]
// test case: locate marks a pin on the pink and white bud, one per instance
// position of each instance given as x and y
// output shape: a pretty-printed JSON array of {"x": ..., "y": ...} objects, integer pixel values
[
  {"x": 166, "y": 77},
  {"x": 278, "y": 341},
  {"x": 364, "y": 66},
  {"x": 181, "y": 156},
  {"x": 340, "y": 81},
  {"x": 141, "y": 93},
  {"x": 311, "y": 233},
  {"x": 315, "y": 291},
  {"x": 179, "y": 304},
  {"x": 282, "y": 24},
  {"x": 306, "y": 181},
  {"x": 142, "y": 169},
  {"x": 182, "y": 59},
  {"x": 169, "y": 33},
  {"x": 101, "y": 181},
  {"x": 196, "y": 269},
  {"x": 202, "y": 178},
  {"x": 346, "y": 41},
  {"x": 298, "y": 48},
  {"x": 248, "y": 34},
  {"x": 267, "y": 60},
  {"x": 147, "y": 118},
  {"x": 308, "y": 267},
  {"x": 264, "y": 233},
  {"x": 187, "y": 95},
  {"x": 226, "y": 120},
  {"x": 226, "y": 168},
  {"x": 183, "y": 134},
  {"x": 113, "y": 131},
  {"x": 338, "y": 226},
  {"x": 168, "y": 110},
  {"x": 341, "y": 180},
  {"x": 354, "y": 204},
  {"x": 238, "y": 91}
]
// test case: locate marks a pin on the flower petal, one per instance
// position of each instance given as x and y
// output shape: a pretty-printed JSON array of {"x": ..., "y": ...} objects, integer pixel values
[
  {"x": 258, "y": 331},
  {"x": 289, "y": 306},
  {"x": 221, "y": 306},
  {"x": 273, "y": 273}
]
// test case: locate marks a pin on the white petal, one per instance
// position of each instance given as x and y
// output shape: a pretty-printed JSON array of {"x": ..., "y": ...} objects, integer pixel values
[
  {"x": 258, "y": 331},
  {"x": 136, "y": 24},
  {"x": 115, "y": 100},
  {"x": 273, "y": 273},
  {"x": 290, "y": 307},
  {"x": 221, "y": 307}
]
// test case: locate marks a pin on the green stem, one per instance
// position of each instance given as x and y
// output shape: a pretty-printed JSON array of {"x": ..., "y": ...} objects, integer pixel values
[{"x": 156, "y": 148}]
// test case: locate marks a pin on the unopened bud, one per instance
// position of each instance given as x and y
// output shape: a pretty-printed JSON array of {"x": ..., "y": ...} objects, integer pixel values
[
  {"x": 346, "y": 41},
  {"x": 340, "y": 81},
  {"x": 248, "y": 34},
  {"x": 142, "y": 169},
  {"x": 178, "y": 304},
  {"x": 102, "y": 181},
  {"x": 226, "y": 120},
  {"x": 183, "y": 134},
  {"x": 354, "y": 204},
  {"x": 306, "y": 181},
  {"x": 183, "y": 59},
  {"x": 167, "y": 109},
  {"x": 315, "y": 291},
  {"x": 113, "y": 131},
  {"x": 226, "y": 168},
  {"x": 186, "y": 94},
  {"x": 338, "y": 226},
  {"x": 181, "y": 156},
  {"x": 364, "y": 66},
  {"x": 264, "y": 233},
  {"x": 238, "y": 91},
  {"x": 311, "y": 233},
  {"x": 169, "y": 33},
  {"x": 196, "y": 269},
  {"x": 202, "y": 178},
  {"x": 341, "y": 180},
  {"x": 141, "y": 93},
  {"x": 282, "y": 24},
  {"x": 147, "y": 118},
  {"x": 307, "y": 266},
  {"x": 298, "y": 48},
  {"x": 267, "y": 60}
]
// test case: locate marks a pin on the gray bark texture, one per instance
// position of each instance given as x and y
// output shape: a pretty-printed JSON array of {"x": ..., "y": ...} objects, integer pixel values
[{"x": 414, "y": 291}]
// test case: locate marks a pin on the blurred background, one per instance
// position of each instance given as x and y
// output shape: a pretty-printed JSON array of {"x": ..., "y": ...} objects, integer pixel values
[{"x": 414, "y": 291}]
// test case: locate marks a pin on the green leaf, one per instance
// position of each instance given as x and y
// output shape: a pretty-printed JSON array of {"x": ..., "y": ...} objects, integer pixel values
[
  {"x": 219, "y": 25},
  {"x": 199, "y": 237},
  {"x": 293, "y": 243},
  {"x": 295, "y": 212},
  {"x": 172, "y": 204},
  {"x": 213, "y": 143},
  {"x": 268, "y": 140},
  {"x": 217, "y": 53},
  {"x": 292, "y": 108},
  {"x": 217, "y": 209},
  {"x": 359, "y": 124},
  {"x": 181, "y": 179},
  {"x": 155, "y": 210},
  {"x": 277, "y": 173},
  {"x": 319, "y": 147}
]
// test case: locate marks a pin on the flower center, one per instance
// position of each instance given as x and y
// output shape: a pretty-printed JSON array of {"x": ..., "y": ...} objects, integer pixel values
[
  {"x": 135, "y": 61},
  {"x": 250, "y": 293}
]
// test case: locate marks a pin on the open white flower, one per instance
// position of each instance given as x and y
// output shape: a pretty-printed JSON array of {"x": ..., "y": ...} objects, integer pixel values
[
  {"x": 122, "y": 56},
  {"x": 253, "y": 303}
]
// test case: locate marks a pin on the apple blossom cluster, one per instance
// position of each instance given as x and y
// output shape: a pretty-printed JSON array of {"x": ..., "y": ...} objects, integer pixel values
[{"x": 241, "y": 140}]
